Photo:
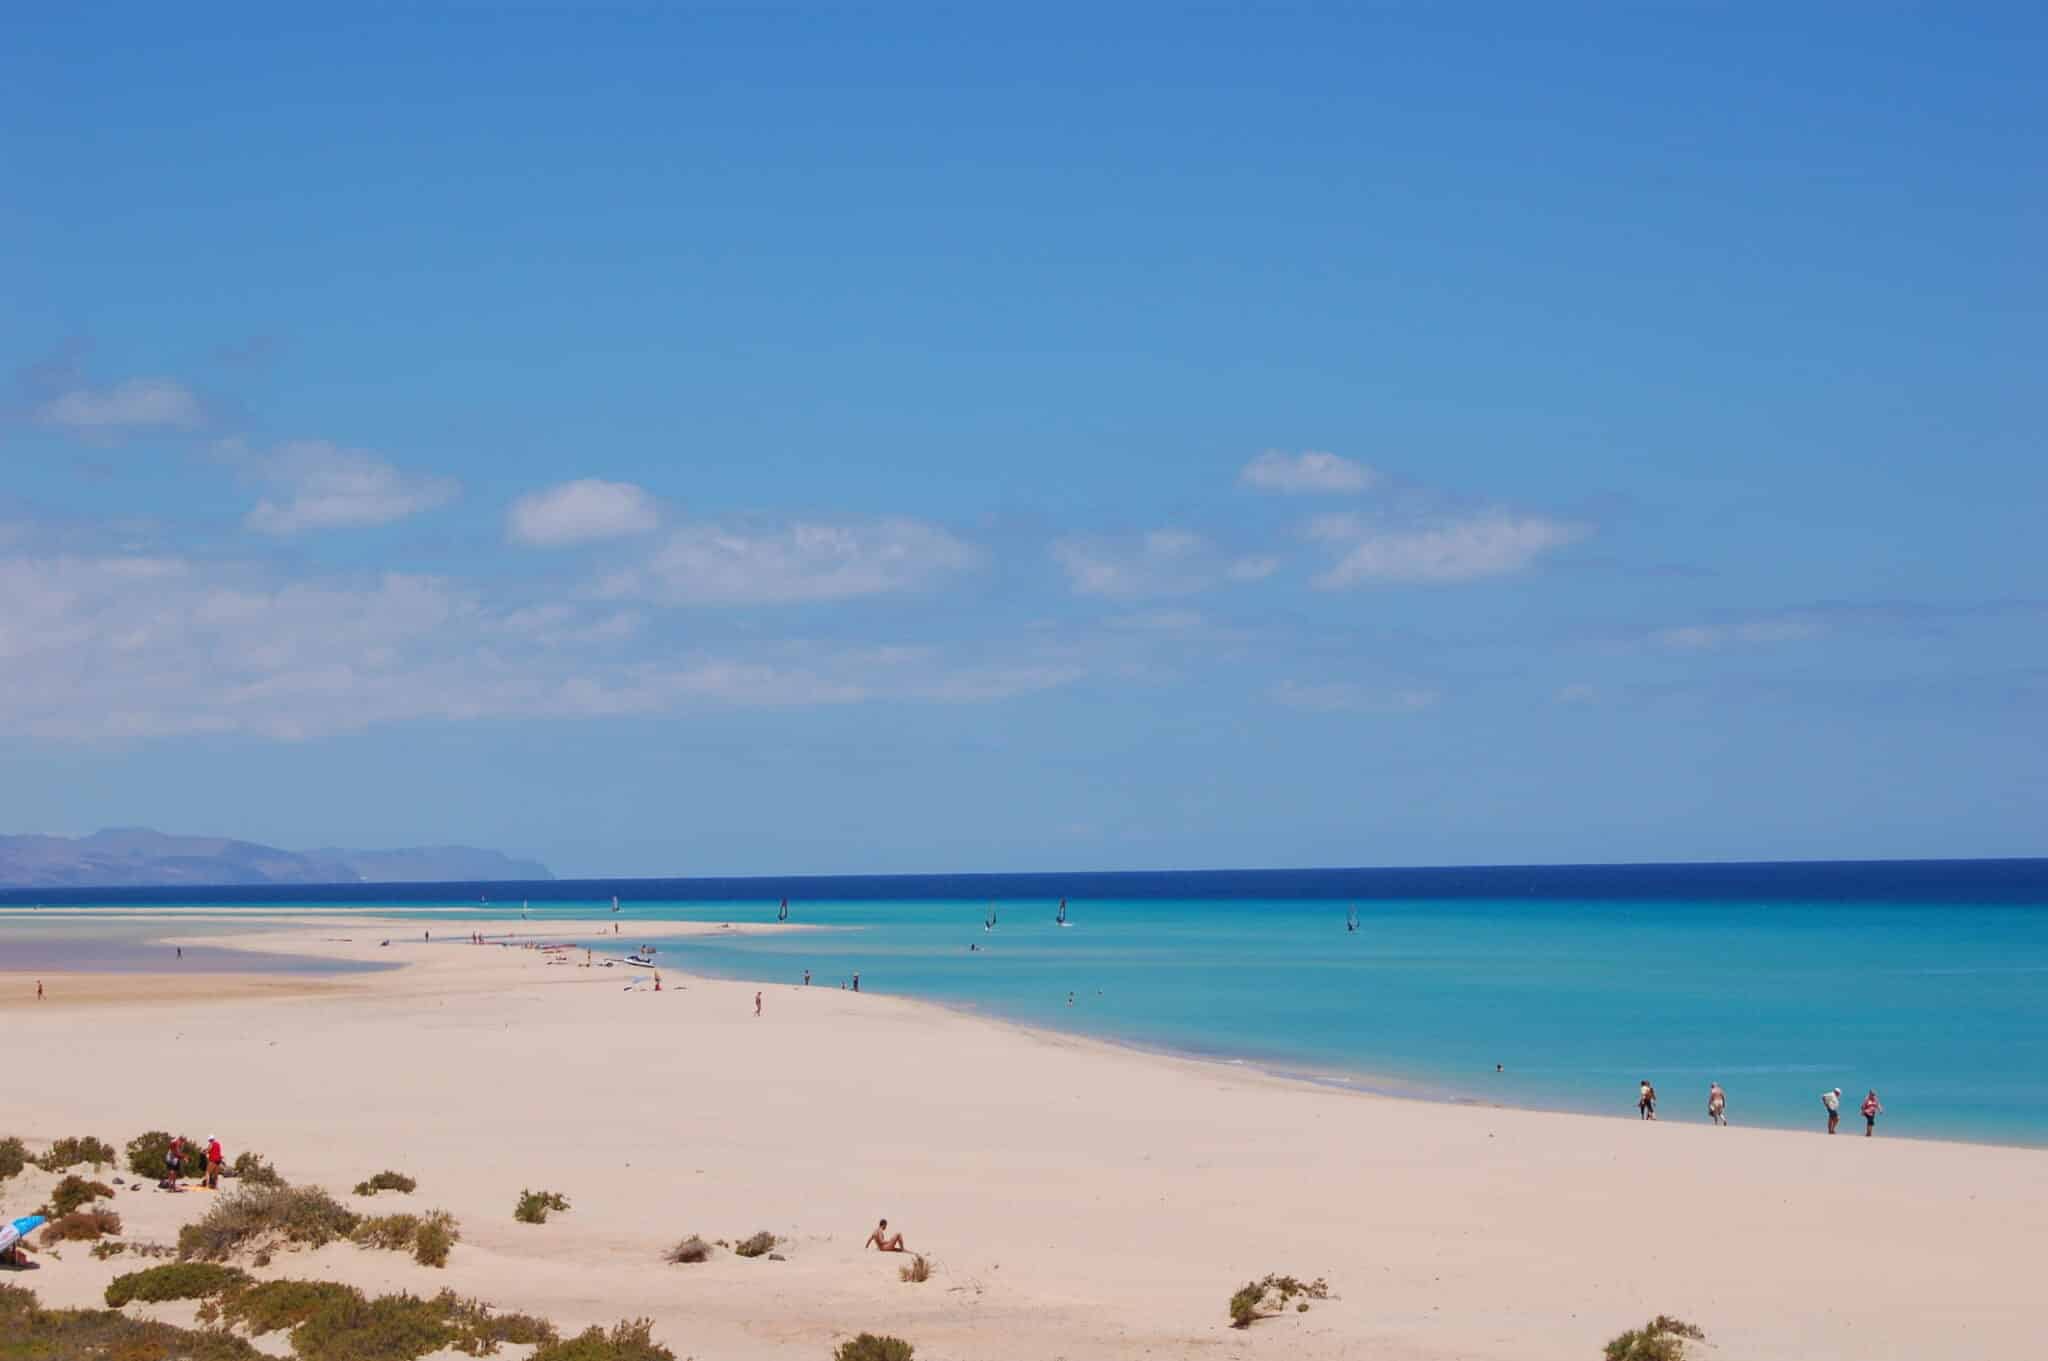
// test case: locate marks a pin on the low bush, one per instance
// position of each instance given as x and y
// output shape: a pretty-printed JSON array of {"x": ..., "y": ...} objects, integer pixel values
[
  {"x": 918, "y": 1272},
  {"x": 68, "y": 1153},
  {"x": 390, "y": 1232},
  {"x": 869, "y": 1347},
  {"x": 388, "y": 1328},
  {"x": 263, "y": 1216},
  {"x": 13, "y": 1157},
  {"x": 29, "y": 1332},
  {"x": 271, "y": 1305},
  {"x": 1270, "y": 1294},
  {"x": 759, "y": 1245},
  {"x": 74, "y": 1191},
  {"x": 174, "y": 1281},
  {"x": 251, "y": 1169},
  {"x": 627, "y": 1341},
  {"x": 387, "y": 1181},
  {"x": 533, "y": 1206},
  {"x": 146, "y": 1153},
  {"x": 479, "y": 1332},
  {"x": 690, "y": 1251},
  {"x": 436, "y": 1238},
  {"x": 1661, "y": 1339},
  {"x": 84, "y": 1225},
  {"x": 102, "y": 1251}
]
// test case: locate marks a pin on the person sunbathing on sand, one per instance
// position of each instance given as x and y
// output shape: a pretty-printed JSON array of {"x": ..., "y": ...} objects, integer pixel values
[{"x": 882, "y": 1240}]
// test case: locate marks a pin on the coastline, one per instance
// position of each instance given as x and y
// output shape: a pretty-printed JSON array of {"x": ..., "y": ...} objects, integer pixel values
[{"x": 1077, "y": 1197}]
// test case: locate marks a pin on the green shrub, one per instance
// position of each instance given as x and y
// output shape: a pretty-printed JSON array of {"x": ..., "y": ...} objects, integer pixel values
[
  {"x": 174, "y": 1281},
  {"x": 146, "y": 1154},
  {"x": 690, "y": 1251},
  {"x": 270, "y": 1305},
  {"x": 437, "y": 1236},
  {"x": 102, "y": 1251},
  {"x": 387, "y": 1181},
  {"x": 29, "y": 1332},
  {"x": 390, "y": 1232},
  {"x": 1661, "y": 1339},
  {"x": 761, "y": 1243},
  {"x": 82, "y": 1225},
  {"x": 13, "y": 1157},
  {"x": 868, "y": 1347},
  {"x": 479, "y": 1332},
  {"x": 388, "y": 1328},
  {"x": 67, "y": 1153},
  {"x": 73, "y": 1192},
  {"x": 1272, "y": 1293},
  {"x": 251, "y": 1169},
  {"x": 260, "y": 1216},
  {"x": 533, "y": 1206},
  {"x": 629, "y": 1341}
]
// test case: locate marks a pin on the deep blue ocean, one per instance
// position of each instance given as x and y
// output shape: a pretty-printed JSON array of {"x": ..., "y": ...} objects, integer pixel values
[{"x": 1926, "y": 980}]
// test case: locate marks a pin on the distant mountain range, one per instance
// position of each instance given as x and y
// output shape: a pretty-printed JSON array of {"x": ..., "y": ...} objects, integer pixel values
[{"x": 126, "y": 857}]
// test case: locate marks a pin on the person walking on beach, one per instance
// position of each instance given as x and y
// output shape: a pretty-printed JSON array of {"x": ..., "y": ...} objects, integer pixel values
[
  {"x": 174, "y": 1162},
  {"x": 757, "y": 1004},
  {"x": 1646, "y": 1100},
  {"x": 1832, "y": 1103},
  {"x": 214, "y": 1158},
  {"x": 856, "y": 980},
  {"x": 807, "y": 978},
  {"x": 1872, "y": 1108},
  {"x": 1717, "y": 1104},
  {"x": 39, "y": 989}
]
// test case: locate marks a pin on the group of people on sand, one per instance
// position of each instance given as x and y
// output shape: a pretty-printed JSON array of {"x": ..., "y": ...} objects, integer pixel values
[
  {"x": 206, "y": 1164},
  {"x": 1717, "y": 1106}
]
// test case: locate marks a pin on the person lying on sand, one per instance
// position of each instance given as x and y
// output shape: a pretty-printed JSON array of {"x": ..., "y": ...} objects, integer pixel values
[{"x": 882, "y": 1240}]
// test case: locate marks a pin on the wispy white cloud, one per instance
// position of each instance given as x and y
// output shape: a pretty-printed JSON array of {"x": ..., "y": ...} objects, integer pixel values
[
  {"x": 134, "y": 406},
  {"x": 1710, "y": 637},
  {"x": 1311, "y": 471},
  {"x": 1329, "y": 697},
  {"x": 580, "y": 512},
  {"x": 1485, "y": 545},
  {"x": 321, "y": 485},
  {"x": 1161, "y": 562},
  {"x": 806, "y": 561}
]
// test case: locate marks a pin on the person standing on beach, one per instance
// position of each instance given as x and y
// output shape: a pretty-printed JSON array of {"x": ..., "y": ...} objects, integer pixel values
[
  {"x": 174, "y": 1161},
  {"x": 1872, "y": 1108},
  {"x": 39, "y": 989},
  {"x": 1646, "y": 1100},
  {"x": 856, "y": 980},
  {"x": 214, "y": 1158},
  {"x": 1832, "y": 1103},
  {"x": 1717, "y": 1104},
  {"x": 757, "y": 1004},
  {"x": 807, "y": 978}
]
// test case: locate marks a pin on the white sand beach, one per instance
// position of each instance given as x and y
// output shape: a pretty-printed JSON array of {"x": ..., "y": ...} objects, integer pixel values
[{"x": 1077, "y": 1200}]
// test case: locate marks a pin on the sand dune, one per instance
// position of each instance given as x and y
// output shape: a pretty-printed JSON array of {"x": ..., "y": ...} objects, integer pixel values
[{"x": 1078, "y": 1200}]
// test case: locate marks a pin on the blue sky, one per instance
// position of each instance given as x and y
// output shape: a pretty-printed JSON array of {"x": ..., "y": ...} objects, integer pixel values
[{"x": 814, "y": 441}]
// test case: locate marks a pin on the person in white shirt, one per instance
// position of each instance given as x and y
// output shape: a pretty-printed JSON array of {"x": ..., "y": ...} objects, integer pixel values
[{"x": 1833, "y": 1102}]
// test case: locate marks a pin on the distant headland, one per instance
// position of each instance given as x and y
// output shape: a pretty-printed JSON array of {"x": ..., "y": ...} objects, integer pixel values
[{"x": 133, "y": 856}]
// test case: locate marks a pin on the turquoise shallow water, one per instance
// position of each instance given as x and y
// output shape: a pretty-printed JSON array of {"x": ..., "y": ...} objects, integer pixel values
[{"x": 1942, "y": 1007}]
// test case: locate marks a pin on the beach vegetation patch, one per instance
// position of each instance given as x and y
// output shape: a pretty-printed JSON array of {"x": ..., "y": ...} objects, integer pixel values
[
  {"x": 263, "y": 1216},
  {"x": 632, "y": 1340},
  {"x": 480, "y": 1332},
  {"x": 252, "y": 1169},
  {"x": 870, "y": 1347},
  {"x": 174, "y": 1281},
  {"x": 690, "y": 1251},
  {"x": 389, "y": 1232},
  {"x": 1663, "y": 1338},
  {"x": 387, "y": 1181},
  {"x": 71, "y": 1152},
  {"x": 29, "y": 1332},
  {"x": 103, "y": 1250},
  {"x": 73, "y": 1192},
  {"x": 918, "y": 1272},
  {"x": 147, "y": 1154},
  {"x": 87, "y": 1225},
  {"x": 388, "y": 1328},
  {"x": 1271, "y": 1296},
  {"x": 535, "y": 1206},
  {"x": 13, "y": 1157},
  {"x": 272, "y": 1305},
  {"x": 436, "y": 1238},
  {"x": 760, "y": 1245}
]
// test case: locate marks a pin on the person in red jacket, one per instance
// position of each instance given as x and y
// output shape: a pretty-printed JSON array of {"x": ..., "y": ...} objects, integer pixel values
[{"x": 214, "y": 1158}]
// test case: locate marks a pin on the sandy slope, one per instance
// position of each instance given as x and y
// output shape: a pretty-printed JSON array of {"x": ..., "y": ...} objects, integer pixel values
[{"x": 1080, "y": 1201}]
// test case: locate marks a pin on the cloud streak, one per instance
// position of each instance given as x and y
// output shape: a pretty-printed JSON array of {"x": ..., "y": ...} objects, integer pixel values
[
  {"x": 797, "y": 563},
  {"x": 582, "y": 511},
  {"x": 320, "y": 485},
  {"x": 1486, "y": 545},
  {"x": 136, "y": 406},
  {"x": 1306, "y": 473}
]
